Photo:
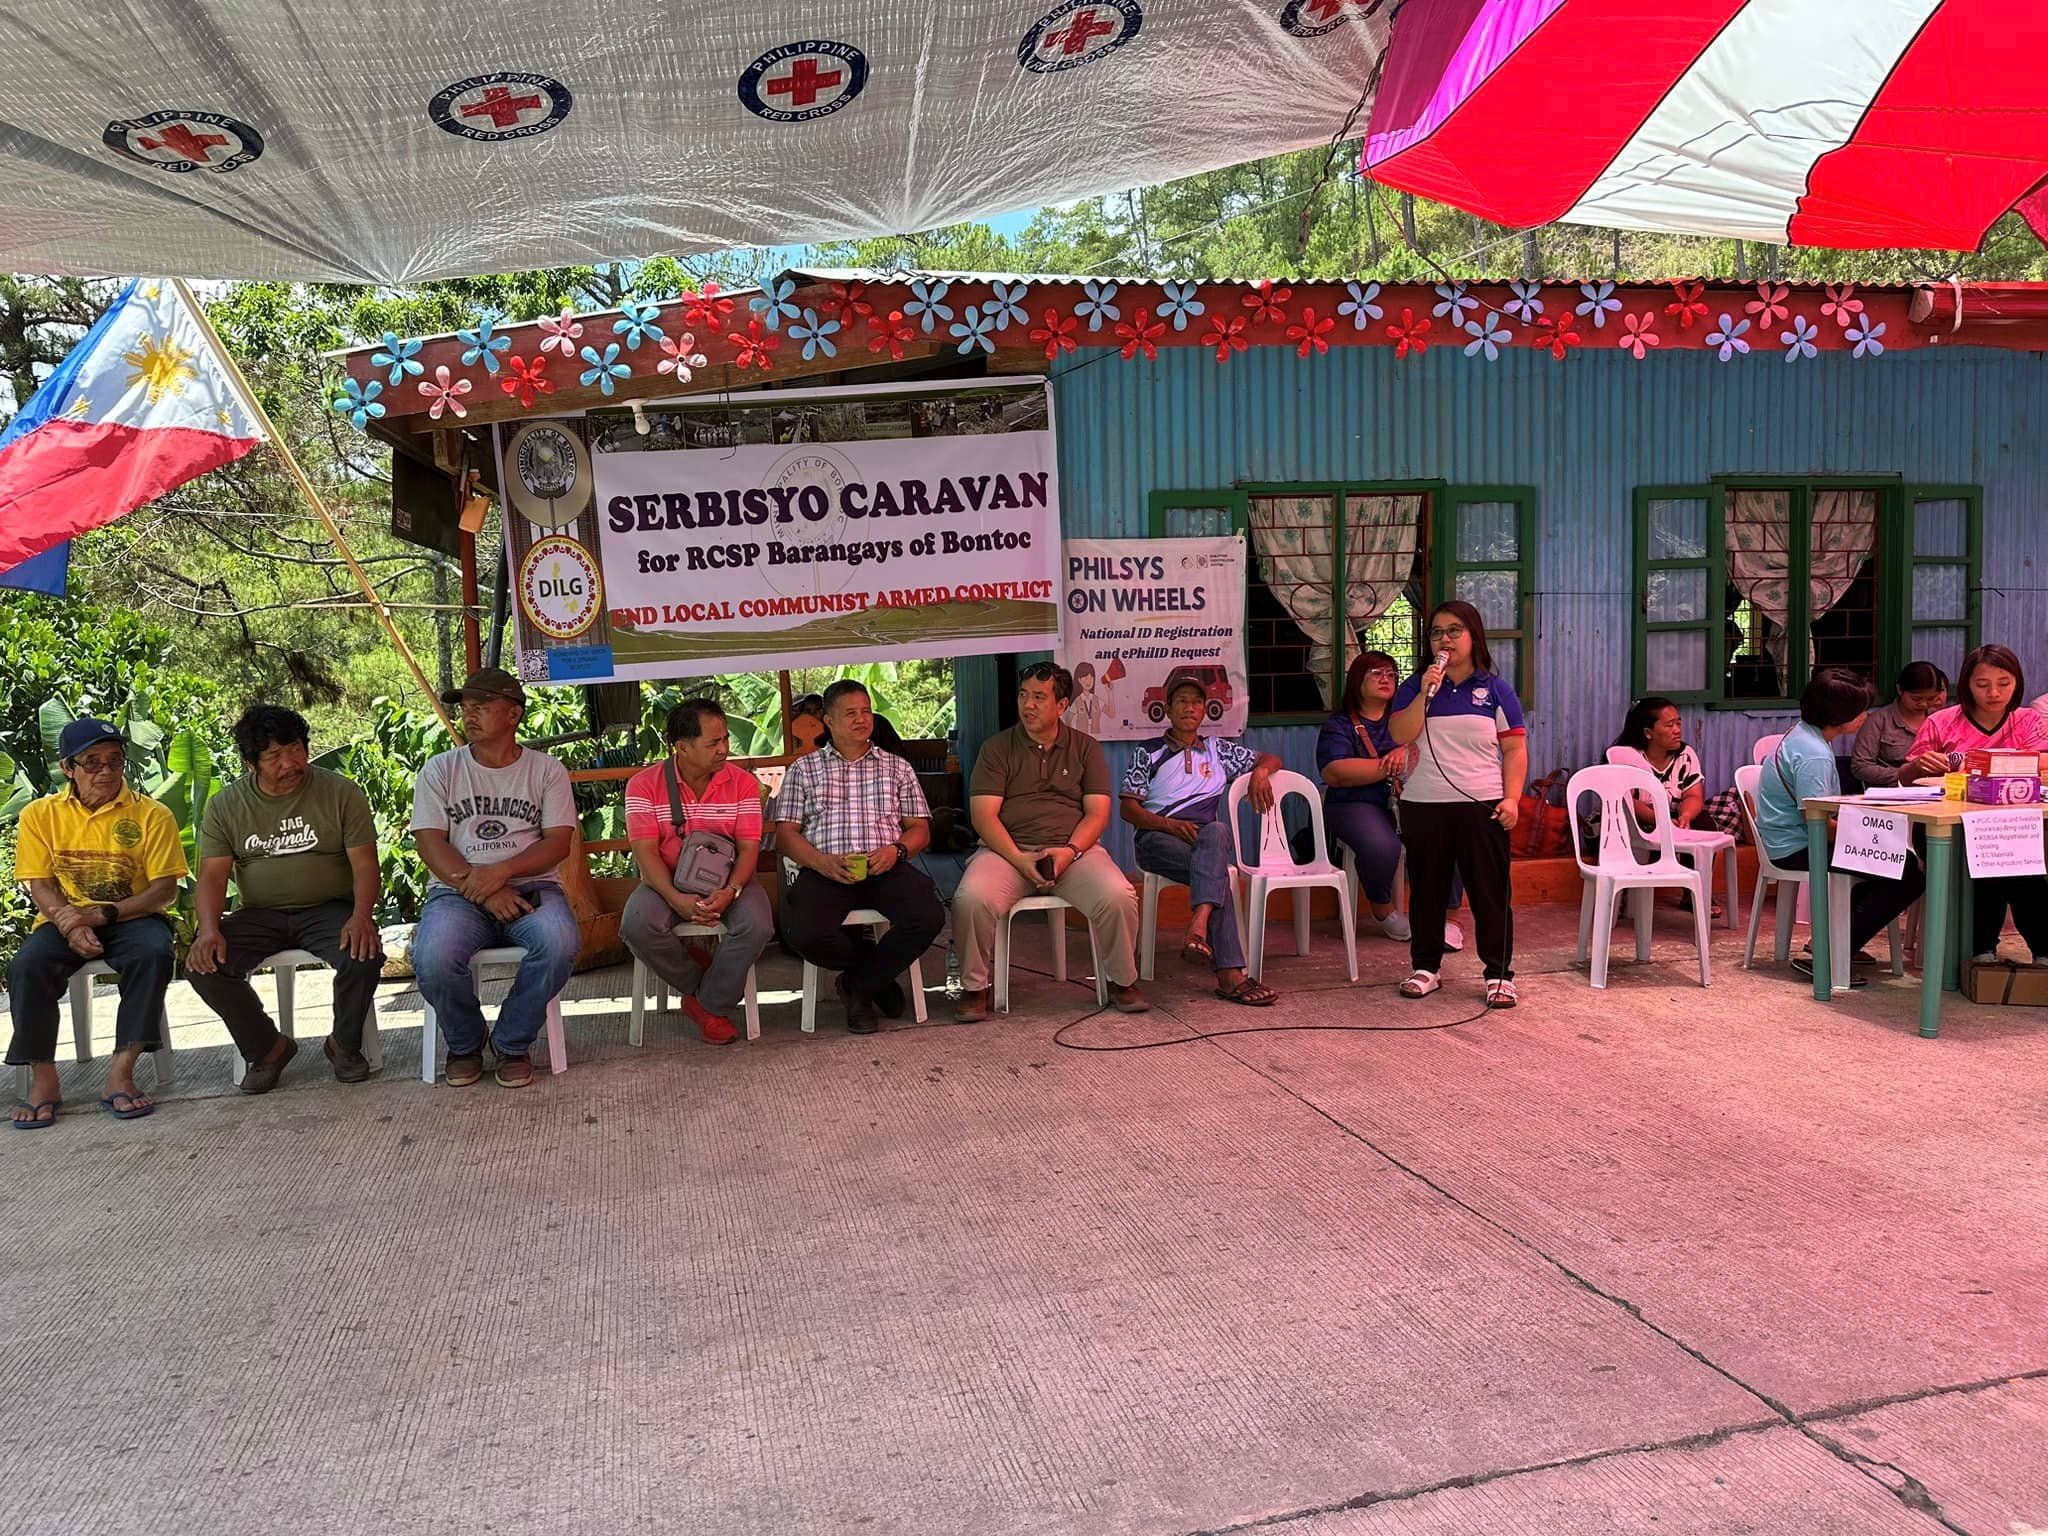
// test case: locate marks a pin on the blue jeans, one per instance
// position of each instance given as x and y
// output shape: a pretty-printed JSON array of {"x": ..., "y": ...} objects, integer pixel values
[
  {"x": 1205, "y": 870},
  {"x": 453, "y": 928},
  {"x": 1368, "y": 831}
]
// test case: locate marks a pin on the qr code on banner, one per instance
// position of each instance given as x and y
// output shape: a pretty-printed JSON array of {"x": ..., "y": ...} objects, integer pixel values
[{"x": 533, "y": 666}]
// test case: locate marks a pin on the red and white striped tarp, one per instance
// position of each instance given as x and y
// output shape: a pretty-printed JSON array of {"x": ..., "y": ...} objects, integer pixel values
[{"x": 1845, "y": 123}]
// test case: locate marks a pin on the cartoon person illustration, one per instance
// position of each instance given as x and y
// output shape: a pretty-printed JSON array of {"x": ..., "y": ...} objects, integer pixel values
[{"x": 1084, "y": 711}]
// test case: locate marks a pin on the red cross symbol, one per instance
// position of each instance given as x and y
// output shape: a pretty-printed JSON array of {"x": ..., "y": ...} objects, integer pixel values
[
  {"x": 187, "y": 144},
  {"x": 1081, "y": 32},
  {"x": 804, "y": 84},
  {"x": 1322, "y": 10},
  {"x": 502, "y": 107}
]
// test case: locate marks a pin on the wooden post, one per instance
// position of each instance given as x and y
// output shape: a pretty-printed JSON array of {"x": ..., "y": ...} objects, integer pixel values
[
  {"x": 312, "y": 498},
  {"x": 788, "y": 701}
]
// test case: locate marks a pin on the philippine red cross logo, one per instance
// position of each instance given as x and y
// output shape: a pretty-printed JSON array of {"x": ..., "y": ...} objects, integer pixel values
[
  {"x": 184, "y": 141},
  {"x": 802, "y": 81},
  {"x": 1078, "y": 32},
  {"x": 503, "y": 105},
  {"x": 1314, "y": 18}
]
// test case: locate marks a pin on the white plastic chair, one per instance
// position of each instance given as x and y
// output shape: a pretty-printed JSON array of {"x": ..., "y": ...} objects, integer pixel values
[
  {"x": 430, "y": 1029},
  {"x": 81, "y": 1029},
  {"x": 285, "y": 965},
  {"x": 863, "y": 917},
  {"x": 642, "y": 977},
  {"x": 1148, "y": 917},
  {"x": 1747, "y": 780},
  {"x": 1698, "y": 846},
  {"x": 1276, "y": 869},
  {"x": 1765, "y": 748},
  {"x": 1055, "y": 907},
  {"x": 1615, "y": 869}
]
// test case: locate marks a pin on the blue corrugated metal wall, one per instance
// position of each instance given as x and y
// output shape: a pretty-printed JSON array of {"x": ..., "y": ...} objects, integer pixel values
[{"x": 1585, "y": 433}]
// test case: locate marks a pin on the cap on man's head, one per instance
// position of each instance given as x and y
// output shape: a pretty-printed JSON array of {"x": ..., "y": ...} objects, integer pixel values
[
  {"x": 488, "y": 683},
  {"x": 1180, "y": 680},
  {"x": 83, "y": 735}
]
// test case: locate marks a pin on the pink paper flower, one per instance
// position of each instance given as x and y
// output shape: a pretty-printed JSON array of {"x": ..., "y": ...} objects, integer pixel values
[
  {"x": 445, "y": 396},
  {"x": 1639, "y": 332}
]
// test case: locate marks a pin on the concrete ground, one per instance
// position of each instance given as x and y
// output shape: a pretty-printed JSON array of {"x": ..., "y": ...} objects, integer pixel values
[{"x": 1646, "y": 1259}]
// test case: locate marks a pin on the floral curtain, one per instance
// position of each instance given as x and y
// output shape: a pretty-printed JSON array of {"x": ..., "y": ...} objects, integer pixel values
[
  {"x": 1844, "y": 533},
  {"x": 1760, "y": 560},
  {"x": 1293, "y": 538}
]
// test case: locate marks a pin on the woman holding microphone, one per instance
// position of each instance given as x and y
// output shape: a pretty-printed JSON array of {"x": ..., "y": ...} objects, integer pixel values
[{"x": 1459, "y": 802}]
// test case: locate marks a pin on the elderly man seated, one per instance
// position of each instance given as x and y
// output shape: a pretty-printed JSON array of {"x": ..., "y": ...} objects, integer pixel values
[
  {"x": 493, "y": 820},
  {"x": 102, "y": 865},
  {"x": 301, "y": 846},
  {"x": 849, "y": 817},
  {"x": 1175, "y": 794},
  {"x": 695, "y": 825},
  {"x": 1040, "y": 802}
]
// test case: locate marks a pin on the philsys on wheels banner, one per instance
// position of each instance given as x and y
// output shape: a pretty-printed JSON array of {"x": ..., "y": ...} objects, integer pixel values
[
  {"x": 798, "y": 528},
  {"x": 1139, "y": 610}
]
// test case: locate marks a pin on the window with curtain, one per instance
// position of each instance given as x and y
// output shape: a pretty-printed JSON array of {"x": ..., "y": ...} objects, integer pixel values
[{"x": 1747, "y": 587}]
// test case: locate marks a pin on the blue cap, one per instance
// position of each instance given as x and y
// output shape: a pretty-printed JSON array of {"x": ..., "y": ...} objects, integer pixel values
[{"x": 83, "y": 735}]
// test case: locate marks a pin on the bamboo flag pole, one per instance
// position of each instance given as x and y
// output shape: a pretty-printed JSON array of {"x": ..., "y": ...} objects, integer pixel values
[{"x": 312, "y": 498}]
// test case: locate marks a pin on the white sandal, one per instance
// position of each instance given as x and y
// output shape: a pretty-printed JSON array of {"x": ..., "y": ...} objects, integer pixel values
[
  {"x": 1420, "y": 984},
  {"x": 1500, "y": 994}
]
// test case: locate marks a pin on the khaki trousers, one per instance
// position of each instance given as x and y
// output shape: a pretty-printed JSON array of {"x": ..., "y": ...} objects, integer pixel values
[{"x": 990, "y": 886}]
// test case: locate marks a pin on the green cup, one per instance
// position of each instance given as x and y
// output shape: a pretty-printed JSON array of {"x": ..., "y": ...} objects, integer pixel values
[{"x": 858, "y": 864}]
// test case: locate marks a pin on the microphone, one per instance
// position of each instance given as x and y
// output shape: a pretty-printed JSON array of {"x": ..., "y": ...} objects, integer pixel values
[{"x": 1443, "y": 659}]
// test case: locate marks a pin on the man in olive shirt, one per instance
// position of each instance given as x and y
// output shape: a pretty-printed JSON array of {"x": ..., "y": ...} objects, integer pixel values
[
  {"x": 1040, "y": 801},
  {"x": 302, "y": 848}
]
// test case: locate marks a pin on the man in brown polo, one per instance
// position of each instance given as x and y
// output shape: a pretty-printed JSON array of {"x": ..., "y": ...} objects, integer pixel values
[{"x": 1040, "y": 800}]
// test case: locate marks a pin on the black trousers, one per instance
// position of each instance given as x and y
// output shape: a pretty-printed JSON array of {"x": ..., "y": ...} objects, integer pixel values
[
  {"x": 1873, "y": 903},
  {"x": 142, "y": 955},
  {"x": 255, "y": 934},
  {"x": 814, "y": 921},
  {"x": 2027, "y": 896},
  {"x": 1458, "y": 838}
]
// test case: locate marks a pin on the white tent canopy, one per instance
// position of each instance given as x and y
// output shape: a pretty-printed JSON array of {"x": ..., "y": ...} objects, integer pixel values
[{"x": 395, "y": 142}]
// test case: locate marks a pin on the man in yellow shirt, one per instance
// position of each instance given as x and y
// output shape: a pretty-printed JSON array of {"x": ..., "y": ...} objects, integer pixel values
[{"x": 102, "y": 865}]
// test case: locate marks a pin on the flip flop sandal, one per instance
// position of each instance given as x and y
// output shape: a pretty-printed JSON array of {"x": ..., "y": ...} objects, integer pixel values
[
  {"x": 34, "y": 1123},
  {"x": 135, "y": 1110},
  {"x": 1198, "y": 952},
  {"x": 1249, "y": 994}
]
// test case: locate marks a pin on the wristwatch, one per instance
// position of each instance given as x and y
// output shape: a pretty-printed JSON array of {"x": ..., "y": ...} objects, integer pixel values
[
  {"x": 902, "y": 853},
  {"x": 109, "y": 913}
]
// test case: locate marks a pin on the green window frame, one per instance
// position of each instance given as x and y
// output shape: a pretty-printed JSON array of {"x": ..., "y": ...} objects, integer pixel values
[
  {"x": 1927, "y": 591},
  {"x": 1477, "y": 542}
]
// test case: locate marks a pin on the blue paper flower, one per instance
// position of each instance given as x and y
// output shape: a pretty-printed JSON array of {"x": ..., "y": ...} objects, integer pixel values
[
  {"x": 1453, "y": 301},
  {"x": 1008, "y": 305},
  {"x": 1097, "y": 306},
  {"x": 773, "y": 306},
  {"x": 358, "y": 402},
  {"x": 1527, "y": 302},
  {"x": 398, "y": 357},
  {"x": 1866, "y": 338},
  {"x": 636, "y": 321},
  {"x": 1799, "y": 340},
  {"x": 1180, "y": 304},
  {"x": 603, "y": 370},
  {"x": 483, "y": 345},
  {"x": 1600, "y": 303},
  {"x": 924, "y": 303},
  {"x": 1488, "y": 336},
  {"x": 1360, "y": 306},
  {"x": 815, "y": 334},
  {"x": 1729, "y": 337},
  {"x": 973, "y": 330}
]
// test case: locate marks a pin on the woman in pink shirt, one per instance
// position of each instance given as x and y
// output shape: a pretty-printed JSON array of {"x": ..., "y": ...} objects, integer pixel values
[{"x": 1989, "y": 718}]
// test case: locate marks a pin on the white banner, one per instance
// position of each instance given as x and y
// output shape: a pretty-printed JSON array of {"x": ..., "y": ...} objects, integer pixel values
[
  {"x": 638, "y": 559},
  {"x": 1871, "y": 842},
  {"x": 2004, "y": 843},
  {"x": 1137, "y": 611}
]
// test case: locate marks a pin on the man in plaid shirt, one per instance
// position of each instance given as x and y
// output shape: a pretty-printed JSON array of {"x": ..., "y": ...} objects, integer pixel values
[{"x": 850, "y": 816}]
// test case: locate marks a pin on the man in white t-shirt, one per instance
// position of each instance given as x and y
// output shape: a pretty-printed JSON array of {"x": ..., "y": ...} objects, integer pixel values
[{"x": 493, "y": 820}]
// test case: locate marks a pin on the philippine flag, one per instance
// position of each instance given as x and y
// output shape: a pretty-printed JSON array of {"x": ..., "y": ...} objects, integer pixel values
[{"x": 141, "y": 405}]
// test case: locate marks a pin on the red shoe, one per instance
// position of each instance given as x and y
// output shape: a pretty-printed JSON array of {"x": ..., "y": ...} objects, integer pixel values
[{"x": 715, "y": 1028}]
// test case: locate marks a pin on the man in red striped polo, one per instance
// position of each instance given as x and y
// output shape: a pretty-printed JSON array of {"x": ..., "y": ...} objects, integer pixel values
[{"x": 697, "y": 791}]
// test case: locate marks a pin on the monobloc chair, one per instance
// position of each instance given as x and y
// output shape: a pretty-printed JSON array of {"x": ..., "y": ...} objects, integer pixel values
[
  {"x": 642, "y": 977},
  {"x": 1273, "y": 868},
  {"x": 863, "y": 917},
  {"x": 1614, "y": 867},
  {"x": 1055, "y": 908},
  {"x": 430, "y": 1030},
  {"x": 1148, "y": 917},
  {"x": 81, "y": 1027},
  {"x": 1747, "y": 780},
  {"x": 285, "y": 965},
  {"x": 1698, "y": 846}
]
